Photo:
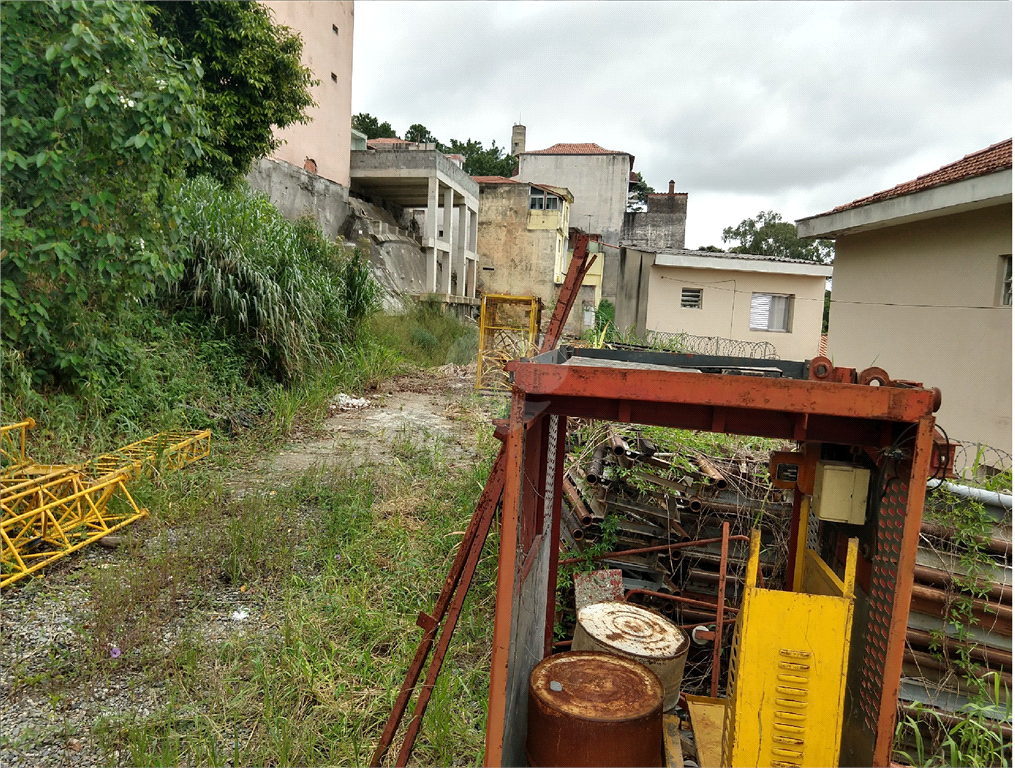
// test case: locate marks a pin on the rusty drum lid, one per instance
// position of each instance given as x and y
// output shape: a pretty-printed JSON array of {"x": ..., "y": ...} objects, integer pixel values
[
  {"x": 633, "y": 631},
  {"x": 596, "y": 686}
]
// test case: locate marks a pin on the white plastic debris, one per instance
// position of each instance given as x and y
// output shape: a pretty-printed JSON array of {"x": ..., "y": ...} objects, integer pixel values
[
  {"x": 346, "y": 403},
  {"x": 239, "y": 614}
]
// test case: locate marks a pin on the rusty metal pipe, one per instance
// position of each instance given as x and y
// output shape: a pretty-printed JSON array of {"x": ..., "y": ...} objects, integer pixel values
[
  {"x": 990, "y": 543},
  {"x": 594, "y": 473},
  {"x": 932, "y": 662},
  {"x": 617, "y": 444},
  {"x": 720, "y": 599},
  {"x": 932, "y": 714},
  {"x": 711, "y": 471},
  {"x": 981, "y": 606},
  {"x": 660, "y": 548},
  {"x": 578, "y": 534},
  {"x": 577, "y": 504},
  {"x": 989, "y": 655},
  {"x": 1001, "y": 592},
  {"x": 677, "y": 599}
]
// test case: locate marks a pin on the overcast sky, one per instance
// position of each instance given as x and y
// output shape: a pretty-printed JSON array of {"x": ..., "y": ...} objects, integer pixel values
[{"x": 793, "y": 107}]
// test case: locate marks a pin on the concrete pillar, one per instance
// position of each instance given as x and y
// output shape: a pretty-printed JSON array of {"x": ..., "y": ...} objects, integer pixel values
[
  {"x": 473, "y": 232},
  {"x": 430, "y": 235},
  {"x": 446, "y": 260},
  {"x": 461, "y": 242},
  {"x": 471, "y": 285}
]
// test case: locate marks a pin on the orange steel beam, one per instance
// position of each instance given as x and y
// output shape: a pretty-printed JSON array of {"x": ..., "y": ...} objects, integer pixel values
[{"x": 719, "y": 391}]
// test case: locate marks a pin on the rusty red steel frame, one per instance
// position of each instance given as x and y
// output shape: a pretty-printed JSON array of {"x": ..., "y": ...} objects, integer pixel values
[
  {"x": 813, "y": 403},
  {"x": 456, "y": 585}
]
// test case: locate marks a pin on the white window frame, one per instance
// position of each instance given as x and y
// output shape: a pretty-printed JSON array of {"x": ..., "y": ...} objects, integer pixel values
[
  {"x": 691, "y": 298},
  {"x": 1005, "y": 297},
  {"x": 765, "y": 309}
]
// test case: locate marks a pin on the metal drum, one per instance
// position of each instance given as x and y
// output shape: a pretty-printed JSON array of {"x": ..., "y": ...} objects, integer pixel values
[
  {"x": 639, "y": 634},
  {"x": 594, "y": 709}
]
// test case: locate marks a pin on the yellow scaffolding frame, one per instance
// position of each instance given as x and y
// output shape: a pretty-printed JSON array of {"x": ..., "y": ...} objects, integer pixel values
[
  {"x": 13, "y": 439},
  {"x": 48, "y": 511},
  {"x": 501, "y": 339}
]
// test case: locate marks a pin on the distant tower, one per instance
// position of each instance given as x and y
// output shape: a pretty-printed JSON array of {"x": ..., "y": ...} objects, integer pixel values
[{"x": 517, "y": 139}]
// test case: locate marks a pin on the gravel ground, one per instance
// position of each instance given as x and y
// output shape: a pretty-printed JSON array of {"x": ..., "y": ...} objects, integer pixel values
[{"x": 42, "y": 633}]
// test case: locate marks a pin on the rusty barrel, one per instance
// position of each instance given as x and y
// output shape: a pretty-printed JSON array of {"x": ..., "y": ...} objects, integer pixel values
[
  {"x": 594, "y": 709},
  {"x": 639, "y": 634}
]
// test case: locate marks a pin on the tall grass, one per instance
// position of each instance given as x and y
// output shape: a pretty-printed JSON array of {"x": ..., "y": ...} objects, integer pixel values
[
  {"x": 277, "y": 285},
  {"x": 425, "y": 335},
  {"x": 337, "y": 566}
]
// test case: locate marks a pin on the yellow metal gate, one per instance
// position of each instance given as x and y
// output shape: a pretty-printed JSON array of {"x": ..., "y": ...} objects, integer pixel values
[{"x": 508, "y": 329}]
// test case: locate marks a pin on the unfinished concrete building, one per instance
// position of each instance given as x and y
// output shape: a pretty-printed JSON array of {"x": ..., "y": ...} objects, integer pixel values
[{"x": 447, "y": 199}]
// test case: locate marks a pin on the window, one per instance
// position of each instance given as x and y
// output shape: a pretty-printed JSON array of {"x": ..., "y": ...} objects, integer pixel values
[
  {"x": 770, "y": 312},
  {"x": 1006, "y": 281},
  {"x": 690, "y": 298},
  {"x": 540, "y": 200}
]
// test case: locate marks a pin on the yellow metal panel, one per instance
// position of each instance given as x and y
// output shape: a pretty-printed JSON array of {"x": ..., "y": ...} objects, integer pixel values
[
  {"x": 788, "y": 672},
  {"x": 707, "y": 716}
]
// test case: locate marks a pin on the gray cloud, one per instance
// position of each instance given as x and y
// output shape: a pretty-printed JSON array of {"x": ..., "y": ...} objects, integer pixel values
[{"x": 815, "y": 102}]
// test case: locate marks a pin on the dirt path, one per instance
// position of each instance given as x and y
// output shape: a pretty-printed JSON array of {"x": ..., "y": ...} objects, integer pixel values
[{"x": 424, "y": 410}]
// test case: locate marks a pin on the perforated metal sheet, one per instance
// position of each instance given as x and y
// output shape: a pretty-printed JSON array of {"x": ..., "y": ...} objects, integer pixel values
[
  {"x": 551, "y": 472},
  {"x": 884, "y": 577}
]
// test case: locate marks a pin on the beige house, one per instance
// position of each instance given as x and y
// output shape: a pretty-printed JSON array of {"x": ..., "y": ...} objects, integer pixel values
[
  {"x": 522, "y": 237},
  {"x": 739, "y": 296},
  {"x": 923, "y": 288},
  {"x": 321, "y": 145}
]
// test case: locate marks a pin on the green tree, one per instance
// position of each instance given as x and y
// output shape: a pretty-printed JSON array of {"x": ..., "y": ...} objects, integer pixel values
[
  {"x": 419, "y": 133},
  {"x": 768, "y": 235},
  {"x": 253, "y": 79},
  {"x": 493, "y": 161},
  {"x": 637, "y": 194},
  {"x": 367, "y": 124},
  {"x": 98, "y": 118}
]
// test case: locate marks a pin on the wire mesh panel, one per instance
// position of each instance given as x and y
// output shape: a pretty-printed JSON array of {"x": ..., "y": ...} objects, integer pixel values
[{"x": 508, "y": 329}]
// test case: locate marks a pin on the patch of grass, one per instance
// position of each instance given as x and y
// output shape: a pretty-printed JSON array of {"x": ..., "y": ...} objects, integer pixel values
[
  {"x": 342, "y": 562},
  {"x": 426, "y": 336}
]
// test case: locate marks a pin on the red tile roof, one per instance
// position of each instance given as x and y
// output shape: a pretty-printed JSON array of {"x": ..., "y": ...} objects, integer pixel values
[
  {"x": 574, "y": 149},
  {"x": 494, "y": 180},
  {"x": 386, "y": 140},
  {"x": 996, "y": 157}
]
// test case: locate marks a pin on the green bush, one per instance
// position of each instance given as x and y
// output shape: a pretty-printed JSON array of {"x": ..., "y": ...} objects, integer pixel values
[
  {"x": 425, "y": 335},
  {"x": 98, "y": 119}
]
